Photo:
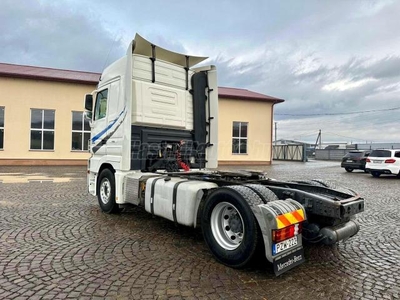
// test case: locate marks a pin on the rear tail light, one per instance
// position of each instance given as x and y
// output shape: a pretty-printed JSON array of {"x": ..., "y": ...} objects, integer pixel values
[
  {"x": 288, "y": 232},
  {"x": 390, "y": 161},
  {"x": 368, "y": 160}
]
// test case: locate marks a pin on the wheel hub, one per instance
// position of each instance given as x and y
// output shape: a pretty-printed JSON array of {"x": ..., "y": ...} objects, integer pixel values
[
  {"x": 105, "y": 191},
  {"x": 227, "y": 225},
  {"x": 235, "y": 223}
]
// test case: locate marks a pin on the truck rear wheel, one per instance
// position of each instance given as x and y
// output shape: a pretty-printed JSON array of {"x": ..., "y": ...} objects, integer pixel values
[
  {"x": 106, "y": 192},
  {"x": 229, "y": 226},
  {"x": 263, "y": 192}
]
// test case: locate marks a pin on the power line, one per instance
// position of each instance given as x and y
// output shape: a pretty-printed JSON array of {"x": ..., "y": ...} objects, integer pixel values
[
  {"x": 109, "y": 51},
  {"x": 341, "y": 113},
  {"x": 348, "y": 137}
]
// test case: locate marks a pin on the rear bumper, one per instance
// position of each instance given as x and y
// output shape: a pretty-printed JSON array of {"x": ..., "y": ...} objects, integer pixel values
[
  {"x": 353, "y": 165},
  {"x": 393, "y": 171}
]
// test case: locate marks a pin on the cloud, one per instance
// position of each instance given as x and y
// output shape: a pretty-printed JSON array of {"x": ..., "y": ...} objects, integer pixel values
[
  {"x": 346, "y": 84},
  {"x": 320, "y": 56},
  {"x": 54, "y": 36}
]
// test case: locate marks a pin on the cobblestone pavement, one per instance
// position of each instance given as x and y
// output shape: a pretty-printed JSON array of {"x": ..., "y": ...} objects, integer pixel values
[{"x": 55, "y": 244}]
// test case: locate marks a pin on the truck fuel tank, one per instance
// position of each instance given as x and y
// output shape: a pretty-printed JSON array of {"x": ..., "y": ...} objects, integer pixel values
[{"x": 175, "y": 198}]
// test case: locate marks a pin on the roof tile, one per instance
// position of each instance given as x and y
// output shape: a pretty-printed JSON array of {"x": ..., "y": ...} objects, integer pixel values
[
  {"x": 243, "y": 94},
  {"x": 40, "y": 73}
]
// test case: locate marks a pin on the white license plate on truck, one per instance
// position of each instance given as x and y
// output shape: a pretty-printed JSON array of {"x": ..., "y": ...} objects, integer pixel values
[{"x": 282, "y": 246}]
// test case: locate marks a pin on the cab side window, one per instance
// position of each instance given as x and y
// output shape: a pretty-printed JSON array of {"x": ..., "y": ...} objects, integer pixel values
[{"x": 100, "y": 110}]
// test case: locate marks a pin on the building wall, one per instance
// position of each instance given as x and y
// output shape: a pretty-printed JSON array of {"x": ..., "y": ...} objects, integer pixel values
[
  {"x": 18, "y": 97},
  {"x": 258, "y": 114}
]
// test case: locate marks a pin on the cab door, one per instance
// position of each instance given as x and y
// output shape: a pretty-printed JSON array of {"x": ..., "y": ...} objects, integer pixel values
[{"x": 100, "y": 124}]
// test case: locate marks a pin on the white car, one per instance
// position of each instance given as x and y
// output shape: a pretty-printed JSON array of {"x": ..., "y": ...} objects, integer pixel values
[{"x": 383, "y": 161}]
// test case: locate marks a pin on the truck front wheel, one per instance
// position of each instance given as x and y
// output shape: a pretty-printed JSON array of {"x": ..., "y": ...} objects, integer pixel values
[
  {"x": 106, "y": 192},
  {"x": 230, "y": 228}
]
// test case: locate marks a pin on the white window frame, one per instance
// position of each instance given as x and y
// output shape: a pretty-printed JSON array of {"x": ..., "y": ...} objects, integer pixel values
[
  {"x": 240, "y": 138},
  {"x": 82, "y": 131},
  {"x": 4, "y": 121},
  {"x": 42, "y": 130}
]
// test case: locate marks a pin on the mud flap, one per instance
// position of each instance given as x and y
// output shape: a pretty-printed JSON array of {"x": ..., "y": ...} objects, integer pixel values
[
  {"x": 289, "y": 261},
  {"x": 277, "y": 215}
]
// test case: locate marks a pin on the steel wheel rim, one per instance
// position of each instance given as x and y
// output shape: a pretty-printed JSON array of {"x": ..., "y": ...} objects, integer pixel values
[
  {"x": 227, "y": 226},
  {"x": 105, "y": 191}
]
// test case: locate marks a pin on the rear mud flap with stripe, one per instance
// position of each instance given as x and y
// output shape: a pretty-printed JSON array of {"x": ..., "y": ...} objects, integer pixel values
[{"x": 276, "y": 215}]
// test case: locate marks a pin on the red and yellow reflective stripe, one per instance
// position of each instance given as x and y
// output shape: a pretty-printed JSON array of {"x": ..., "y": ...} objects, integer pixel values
[{"x": 290, "y": 218}]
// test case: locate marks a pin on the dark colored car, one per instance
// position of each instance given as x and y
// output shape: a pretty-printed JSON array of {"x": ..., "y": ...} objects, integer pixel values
[{"x": 355, "y": 160}]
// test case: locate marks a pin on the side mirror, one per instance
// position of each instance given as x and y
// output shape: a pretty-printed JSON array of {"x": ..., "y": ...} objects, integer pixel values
[
  {"x": 88, "y": 115},
  {"x": 89, "y": 102}
]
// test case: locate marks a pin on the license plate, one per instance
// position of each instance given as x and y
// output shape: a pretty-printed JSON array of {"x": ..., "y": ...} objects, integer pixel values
[
  {"x": 282, "y": 246},
  {"x": 377, "y": 161}
]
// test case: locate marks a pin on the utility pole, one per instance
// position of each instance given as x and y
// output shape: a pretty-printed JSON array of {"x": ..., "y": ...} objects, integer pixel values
[
  {"x": 318, "y": 139},
  {"x": 276, "y": 129}
]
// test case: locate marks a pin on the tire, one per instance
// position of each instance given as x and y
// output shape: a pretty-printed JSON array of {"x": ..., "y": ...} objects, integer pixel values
[
  {"x": 229, "y": 226},
  {"x": 263, "y": 192},
  {"x": 375, "y": 174},
  {"x": 106, "y": 192},
  {"x": 349, "y": 170}
]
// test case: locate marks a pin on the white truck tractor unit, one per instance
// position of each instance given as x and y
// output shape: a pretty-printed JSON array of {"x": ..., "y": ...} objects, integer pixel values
[{"x": 154, "y": 143}]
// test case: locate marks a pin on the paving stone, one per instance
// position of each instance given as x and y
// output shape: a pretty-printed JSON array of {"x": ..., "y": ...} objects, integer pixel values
[{"x": 55, "y": 243}]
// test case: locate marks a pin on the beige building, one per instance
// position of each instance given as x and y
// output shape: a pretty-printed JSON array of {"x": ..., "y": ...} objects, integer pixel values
[
  {"x": 42, "y": 123},
  {"x": 245, "y": 127}
]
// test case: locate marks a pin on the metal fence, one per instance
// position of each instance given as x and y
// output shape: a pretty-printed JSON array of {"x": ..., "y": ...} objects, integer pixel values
[
  {"x": 330, "y": 154},
  {"x": 377, "y": 146},
  {"x": 289, "y": 152},
  {"x": 337, "y": 154}
]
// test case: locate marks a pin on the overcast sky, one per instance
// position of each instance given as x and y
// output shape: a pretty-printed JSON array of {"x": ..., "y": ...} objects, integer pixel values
[{"x": 325, "y": 58}]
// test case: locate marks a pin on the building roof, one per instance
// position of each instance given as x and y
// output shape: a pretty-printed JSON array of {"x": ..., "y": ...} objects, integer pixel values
[
  {"x": 243, "y": 94},
  {"x": 40, "y": 73}
]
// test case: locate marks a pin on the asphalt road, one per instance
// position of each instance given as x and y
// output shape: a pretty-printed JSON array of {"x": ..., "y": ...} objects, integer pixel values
[{"x": 55, "y": 243}]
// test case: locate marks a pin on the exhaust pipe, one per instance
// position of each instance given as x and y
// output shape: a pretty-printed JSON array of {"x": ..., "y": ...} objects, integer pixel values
[{"x": 340, "y": 232}]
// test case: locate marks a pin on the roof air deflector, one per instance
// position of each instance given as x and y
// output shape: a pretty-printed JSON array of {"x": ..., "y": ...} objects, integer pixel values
[{"x": 144, "y": 47}]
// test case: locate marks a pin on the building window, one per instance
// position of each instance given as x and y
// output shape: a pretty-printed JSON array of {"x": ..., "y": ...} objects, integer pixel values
[
  {"x": 100, "y": 109},
  {"x": 80, "y": 131},
  {"x": 42, "y": 129},
  {"x": 239, "y": 138},
  {"x": 1, "y": 127}
]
